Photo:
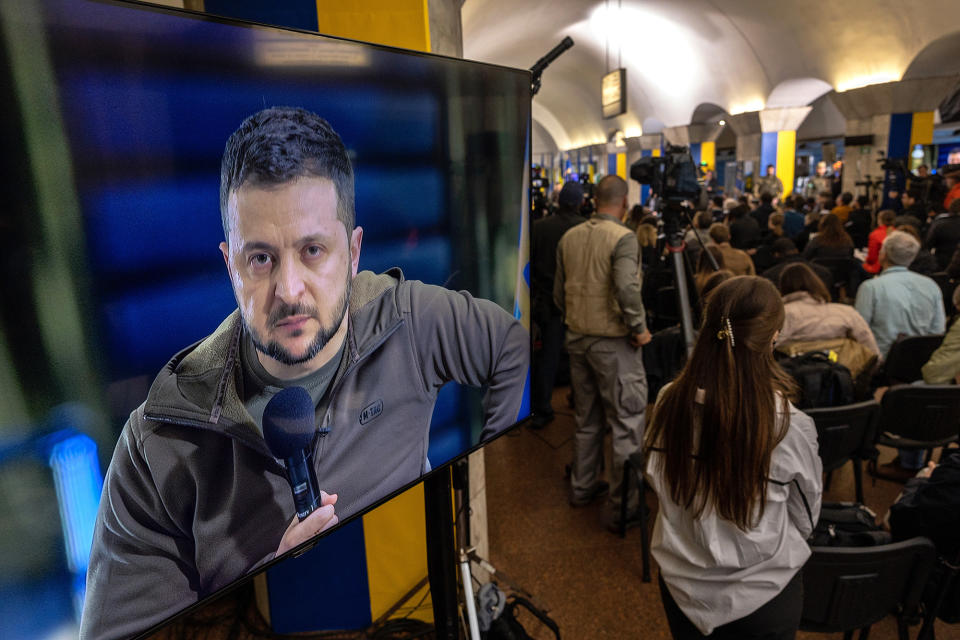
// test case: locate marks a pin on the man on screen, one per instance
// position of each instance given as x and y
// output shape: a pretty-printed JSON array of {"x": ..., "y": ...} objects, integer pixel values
[{"x": 193, "y": 499}]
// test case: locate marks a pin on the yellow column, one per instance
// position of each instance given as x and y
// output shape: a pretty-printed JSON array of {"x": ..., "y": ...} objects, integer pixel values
[
  {"x": 394, "y": 532},
  {"x": 397, "y": 23},
  {"x": 921, "y": 131},
  {"x": 786, "y": 159},
  {"x": 708, "y": 154},
  {"x": 622, "y": 165}
]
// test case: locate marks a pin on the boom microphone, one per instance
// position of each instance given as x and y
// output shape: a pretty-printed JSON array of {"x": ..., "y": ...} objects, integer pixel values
[{"x": 288, "y": 429}]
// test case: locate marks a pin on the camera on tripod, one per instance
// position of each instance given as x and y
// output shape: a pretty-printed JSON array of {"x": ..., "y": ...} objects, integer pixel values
[
  {"x": 895, "y": 165},
  {"x": 673, "y": 176}
]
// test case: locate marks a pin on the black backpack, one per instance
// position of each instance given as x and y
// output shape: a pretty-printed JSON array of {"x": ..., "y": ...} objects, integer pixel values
[
  {"x": 848, "y": 524},
  {"x": 823, "y": 383}
]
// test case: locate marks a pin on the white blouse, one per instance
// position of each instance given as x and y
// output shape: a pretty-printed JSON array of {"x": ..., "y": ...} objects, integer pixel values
[{"x": 718, "y": 573}]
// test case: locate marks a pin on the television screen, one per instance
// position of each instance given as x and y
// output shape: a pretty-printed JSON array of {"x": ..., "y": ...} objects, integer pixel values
[{"x": 167, "y": 294}]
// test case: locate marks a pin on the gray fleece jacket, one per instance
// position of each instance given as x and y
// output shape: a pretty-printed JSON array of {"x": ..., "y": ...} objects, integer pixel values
[{"x": 193, "y": 500}]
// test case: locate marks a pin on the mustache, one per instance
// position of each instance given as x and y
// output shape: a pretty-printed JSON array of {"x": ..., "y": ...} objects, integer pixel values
[{"x": 286, "y": 310}]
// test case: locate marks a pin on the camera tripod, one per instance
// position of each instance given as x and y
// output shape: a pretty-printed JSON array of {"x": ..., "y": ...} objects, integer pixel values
[{"x": 671, "y": 212}]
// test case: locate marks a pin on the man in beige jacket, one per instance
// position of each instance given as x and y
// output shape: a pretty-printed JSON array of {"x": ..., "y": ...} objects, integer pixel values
[{"x": 597, "y": 287}]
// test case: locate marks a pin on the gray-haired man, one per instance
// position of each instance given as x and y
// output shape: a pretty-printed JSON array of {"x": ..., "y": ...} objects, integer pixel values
[{"x": 900, "y": 302}]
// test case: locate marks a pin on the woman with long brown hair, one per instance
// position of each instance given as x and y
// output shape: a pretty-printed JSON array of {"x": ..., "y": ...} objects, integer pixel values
[
  {"x": 736, "y": 469},
  {"x": 831, "y": 241}
]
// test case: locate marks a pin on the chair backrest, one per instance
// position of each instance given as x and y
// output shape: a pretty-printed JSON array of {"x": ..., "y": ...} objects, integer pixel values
[
  {"x": 845, "y": 432},
  {"x": 908, "y": 355},
  {"x": 926, "y": 413},
  {"x": 848, "y": 588}
]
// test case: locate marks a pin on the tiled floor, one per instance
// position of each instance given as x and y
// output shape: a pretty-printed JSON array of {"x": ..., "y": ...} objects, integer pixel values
[{"x": 588, "y": 578}]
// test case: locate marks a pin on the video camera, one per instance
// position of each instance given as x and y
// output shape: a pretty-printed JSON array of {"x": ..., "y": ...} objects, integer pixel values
[{"x": 673, "y": 176}]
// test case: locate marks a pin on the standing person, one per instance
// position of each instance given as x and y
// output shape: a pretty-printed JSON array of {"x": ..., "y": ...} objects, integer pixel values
[
  {"x": 544, "y": 238},
  {"x": 597, "y": 287},
  {"x": 769, "y": 183},
  {"x": 730, "y": 539}
]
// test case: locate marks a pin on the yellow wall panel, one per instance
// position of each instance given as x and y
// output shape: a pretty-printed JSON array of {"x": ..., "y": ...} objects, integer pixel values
[
  {"x": 786, "y": 159},
  {"x": 397, "y": 23},
  {"x": 708, "y": 154},
  {"x": 395, "y": 537},
  {"x": 922, "y": 130}
]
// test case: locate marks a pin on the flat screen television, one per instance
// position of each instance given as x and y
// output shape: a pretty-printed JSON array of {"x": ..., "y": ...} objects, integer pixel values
[{"x": 115, "y": 118}]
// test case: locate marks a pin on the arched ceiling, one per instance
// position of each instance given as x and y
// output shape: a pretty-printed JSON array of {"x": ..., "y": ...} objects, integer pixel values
[{"x": 740, "y": 55}]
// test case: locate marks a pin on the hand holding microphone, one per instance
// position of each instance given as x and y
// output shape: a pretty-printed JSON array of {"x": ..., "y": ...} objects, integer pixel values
[{"x": 288, "y": 429}]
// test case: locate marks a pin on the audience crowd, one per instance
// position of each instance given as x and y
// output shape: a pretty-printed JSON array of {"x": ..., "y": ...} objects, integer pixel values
[{"x": 834, "y": 275}]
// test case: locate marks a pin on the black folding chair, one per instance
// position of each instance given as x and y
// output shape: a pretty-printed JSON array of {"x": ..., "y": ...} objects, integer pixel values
[
  {"x": 846, "y": 433},
  {"x": 908, "y": 355},
  {"x": 918, "y": 417},
  {"x": 633, "y": 468},
  {"x": 949, "y": 584},
  {"x": 850, "y": 588}
]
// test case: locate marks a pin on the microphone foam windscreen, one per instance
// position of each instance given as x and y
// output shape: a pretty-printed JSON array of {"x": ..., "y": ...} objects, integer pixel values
[{"x": 288, "y": 422}]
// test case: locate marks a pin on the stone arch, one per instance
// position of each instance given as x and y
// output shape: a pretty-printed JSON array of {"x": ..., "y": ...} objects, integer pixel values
[
  {"x": 797, "y": 92},
  {"x": 939, "y": 58}
]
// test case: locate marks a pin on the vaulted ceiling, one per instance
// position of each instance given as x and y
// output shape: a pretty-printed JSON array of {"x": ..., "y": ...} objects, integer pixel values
[{"x": 687, "y": 57}]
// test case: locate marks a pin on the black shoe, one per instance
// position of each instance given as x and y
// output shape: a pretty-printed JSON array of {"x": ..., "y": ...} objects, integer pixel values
[{"x": 598, "y": 490}]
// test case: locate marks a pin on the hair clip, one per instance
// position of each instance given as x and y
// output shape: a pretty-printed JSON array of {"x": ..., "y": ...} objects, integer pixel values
[{"x": 727, "y": 333}]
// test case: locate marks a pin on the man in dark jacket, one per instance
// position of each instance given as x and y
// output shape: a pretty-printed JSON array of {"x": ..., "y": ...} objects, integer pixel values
[
  {"x": 744, "y": 231},
  {"x": 193, "y": 498},
  {"x": 544, "y": 238},
  {"x": 785, "y": 253},
  {"x": 762, "y": 213}
]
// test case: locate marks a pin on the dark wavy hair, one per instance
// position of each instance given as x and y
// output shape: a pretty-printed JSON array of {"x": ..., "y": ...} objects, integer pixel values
[
  {"x": 279, "y": 145},
  {"x": 717, "y": 424}
]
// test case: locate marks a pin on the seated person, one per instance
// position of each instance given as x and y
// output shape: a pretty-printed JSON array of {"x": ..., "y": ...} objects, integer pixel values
[
  {"x": 885, "y": 220},
  {"x": 784, "y": 254},
  {"x": 744, "y": 230},
  {"x": 844, "y": 206},
  {"x": 705, "y": 268},
  {"x": 944, "y": 234},
  {"x": 924, "y": 264},
  {"x": 715, "y": 280},
  {"x": 763, "y": 259},
  {"x": 730, "y": 539},
  {"x": 793, "y": 218},
  {"x": 858, "y": 224},
  {"x": 943, "y": 367},
  {"x": 900, "y": 302},
  {"x": 734, "y": 259},
  {"x": 692, "y": 238},
  {"x": 811, "y": 316},
  {"x": 831, "y": 241}
]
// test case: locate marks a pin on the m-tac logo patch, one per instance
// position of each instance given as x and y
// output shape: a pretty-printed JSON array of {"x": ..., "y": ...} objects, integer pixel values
[{"x": 371, "y": 411}]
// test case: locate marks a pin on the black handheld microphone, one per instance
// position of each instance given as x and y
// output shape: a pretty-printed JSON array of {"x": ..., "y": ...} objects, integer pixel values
[{"x": 288, "y": 429}]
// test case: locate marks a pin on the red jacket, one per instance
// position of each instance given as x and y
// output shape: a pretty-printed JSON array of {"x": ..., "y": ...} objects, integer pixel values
[{"x": 874, "y": 242}]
